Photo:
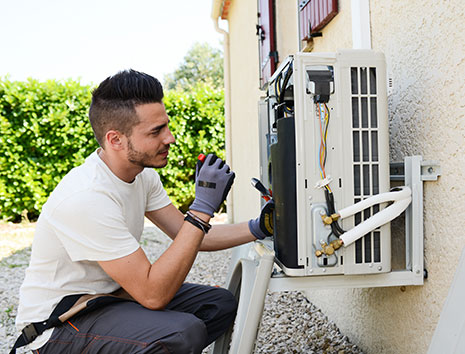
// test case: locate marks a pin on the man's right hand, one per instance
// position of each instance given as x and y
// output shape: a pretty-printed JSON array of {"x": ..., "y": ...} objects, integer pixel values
[{"x": 213, "y": 180}]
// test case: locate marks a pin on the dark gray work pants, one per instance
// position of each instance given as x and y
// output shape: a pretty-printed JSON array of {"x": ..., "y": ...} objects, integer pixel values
[{"x": 196, "y": 316}]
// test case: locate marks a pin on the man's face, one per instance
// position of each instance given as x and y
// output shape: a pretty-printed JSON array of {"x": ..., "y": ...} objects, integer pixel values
[{"x": 150, "y": 140}]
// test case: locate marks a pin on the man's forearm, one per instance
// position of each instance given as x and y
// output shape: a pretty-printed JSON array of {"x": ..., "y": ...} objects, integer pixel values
[
  {"x": 154, "y": 285},
  {"x": 225, "y": 236}
]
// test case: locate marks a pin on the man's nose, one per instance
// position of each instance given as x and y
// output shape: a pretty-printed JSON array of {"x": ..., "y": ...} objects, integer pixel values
[{"x": 169, "y": 139}]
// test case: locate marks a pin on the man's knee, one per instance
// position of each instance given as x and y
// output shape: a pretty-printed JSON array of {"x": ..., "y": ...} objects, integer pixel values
[
  {"x": 219, "y": 313},
  {"x": 189, "y": 336},
  {"x": 227, "y": 302}
]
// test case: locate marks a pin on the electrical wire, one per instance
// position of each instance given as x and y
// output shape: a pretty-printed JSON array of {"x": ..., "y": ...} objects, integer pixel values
[
  {"x": 280, "y": 90},
  {"x": 323, "y": 119}
]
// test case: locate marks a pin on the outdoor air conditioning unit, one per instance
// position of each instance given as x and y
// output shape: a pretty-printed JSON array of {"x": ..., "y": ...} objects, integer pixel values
[
  {"x": 323, "y": 137},
  {"x": 324, "y": 147}
]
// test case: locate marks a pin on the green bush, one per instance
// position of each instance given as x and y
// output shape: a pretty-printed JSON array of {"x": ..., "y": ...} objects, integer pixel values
[{"x": 45, "y": 132}]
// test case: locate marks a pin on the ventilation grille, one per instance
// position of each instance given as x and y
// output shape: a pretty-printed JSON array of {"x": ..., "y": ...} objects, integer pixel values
[{"x": 365, "y": 156}]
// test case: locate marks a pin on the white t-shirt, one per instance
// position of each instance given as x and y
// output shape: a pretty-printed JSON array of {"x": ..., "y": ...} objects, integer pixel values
[{"x": 91, "y": 216}]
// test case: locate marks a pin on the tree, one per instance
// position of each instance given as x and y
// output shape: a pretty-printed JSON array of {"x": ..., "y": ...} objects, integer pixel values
[{"x": 201, "y": 64}]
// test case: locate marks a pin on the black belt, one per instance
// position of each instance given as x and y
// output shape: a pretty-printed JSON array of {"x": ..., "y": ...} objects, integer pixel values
[{"x": 66, "y": 309}]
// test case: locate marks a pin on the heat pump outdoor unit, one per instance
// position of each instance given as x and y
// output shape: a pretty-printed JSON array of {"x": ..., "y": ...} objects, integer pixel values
[
  {"x": 323, "y": 137},
  {"x": 324, "y": 147}
]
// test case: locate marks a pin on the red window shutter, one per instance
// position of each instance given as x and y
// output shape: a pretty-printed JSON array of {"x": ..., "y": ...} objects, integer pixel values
[
  {"x": 314, "y": 15},
  {"x": 266, "y": 40}
]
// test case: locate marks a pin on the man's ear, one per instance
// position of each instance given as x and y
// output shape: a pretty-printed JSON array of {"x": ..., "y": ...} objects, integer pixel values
[{"x": 114, "y": 140}]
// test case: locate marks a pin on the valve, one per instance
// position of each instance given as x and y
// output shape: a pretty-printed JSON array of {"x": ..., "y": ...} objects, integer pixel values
[
  {"x": 328, "y": 250},
  {"x": 329, "y": 219}
]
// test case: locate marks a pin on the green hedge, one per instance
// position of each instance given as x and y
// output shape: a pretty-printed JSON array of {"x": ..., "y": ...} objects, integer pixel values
[{"x": 44, "y": 132}]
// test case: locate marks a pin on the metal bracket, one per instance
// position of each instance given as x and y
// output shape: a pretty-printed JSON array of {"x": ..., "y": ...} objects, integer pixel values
[{"x": 430, "y": 171}]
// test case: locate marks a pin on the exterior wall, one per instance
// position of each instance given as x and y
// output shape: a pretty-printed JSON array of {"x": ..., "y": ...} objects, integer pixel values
[
  {"x": 337, "y": 34},
  {"x": 245, "y": 94},
  {"x": 287, "y": 31},
  {"x": 426, "y": 59},
  {"x": 244, "y": 108}
]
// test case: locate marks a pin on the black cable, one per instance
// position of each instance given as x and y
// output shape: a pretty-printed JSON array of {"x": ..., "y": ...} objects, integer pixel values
[
  {"x": 286, "y": 80},
  {"x": 276, "y": 86},
  {"x": 335, "y": 227}
]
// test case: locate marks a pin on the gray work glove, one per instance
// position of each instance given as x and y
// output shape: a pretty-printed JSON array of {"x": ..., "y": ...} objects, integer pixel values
[
  {"x": 213, "y": 180},
  {"x": 262, "y": 226}
]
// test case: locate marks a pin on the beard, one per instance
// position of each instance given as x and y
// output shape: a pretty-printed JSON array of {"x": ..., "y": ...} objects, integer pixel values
[{"x": 146, "y": 159}]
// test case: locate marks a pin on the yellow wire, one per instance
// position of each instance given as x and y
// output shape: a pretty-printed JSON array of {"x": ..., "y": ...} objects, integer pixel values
[{"x": 323, "y": 136}]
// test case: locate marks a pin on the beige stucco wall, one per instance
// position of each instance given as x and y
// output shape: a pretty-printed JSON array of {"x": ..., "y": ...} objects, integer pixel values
[
  {"x": 425, "y": 52},
  {"x": 337, "y": 34},
  {"x": 287, "y": 31},
  {"x": 245, "y": 94}
]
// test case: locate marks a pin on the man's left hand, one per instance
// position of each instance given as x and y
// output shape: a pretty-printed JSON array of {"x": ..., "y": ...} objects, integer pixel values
[{"x": 262, "y": 226}]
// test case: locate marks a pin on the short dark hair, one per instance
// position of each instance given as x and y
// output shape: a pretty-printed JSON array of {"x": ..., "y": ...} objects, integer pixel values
[{"x": 114, "y": 102}]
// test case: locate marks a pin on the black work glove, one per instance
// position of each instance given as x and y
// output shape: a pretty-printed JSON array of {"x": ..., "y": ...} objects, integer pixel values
[
  {"x": 213, "y": 180},
  {"x": 262, "y": 226}
]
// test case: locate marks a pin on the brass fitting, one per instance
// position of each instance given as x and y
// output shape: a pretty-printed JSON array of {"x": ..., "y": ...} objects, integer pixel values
[
  {"x": 329, "y": 250},
  {"x": 329, "y": 219},
  {"x": 336, "y": 244}
]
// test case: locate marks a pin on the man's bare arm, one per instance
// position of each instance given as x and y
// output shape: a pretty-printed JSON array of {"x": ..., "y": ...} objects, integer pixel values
[
  {"x": 169, "y": 219},
  {"x": 154, "y": 285}
]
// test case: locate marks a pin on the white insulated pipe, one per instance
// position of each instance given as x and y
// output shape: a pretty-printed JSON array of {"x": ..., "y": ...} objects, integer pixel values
[
  {"x": 393, "y": 196},
  {"x": 401, "y": 199}
]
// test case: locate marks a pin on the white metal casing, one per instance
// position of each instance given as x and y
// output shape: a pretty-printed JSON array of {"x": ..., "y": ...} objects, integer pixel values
[{"x": 372, "y": 254}]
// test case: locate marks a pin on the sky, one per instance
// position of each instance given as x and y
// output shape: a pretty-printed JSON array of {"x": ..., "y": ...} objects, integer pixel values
[{"x": 89, "y": 40}]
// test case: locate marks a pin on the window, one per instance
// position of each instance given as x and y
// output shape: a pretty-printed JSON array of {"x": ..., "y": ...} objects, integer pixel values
[
  {"x": 314, "y": 15},
  {"x": 268, "y": 56}
]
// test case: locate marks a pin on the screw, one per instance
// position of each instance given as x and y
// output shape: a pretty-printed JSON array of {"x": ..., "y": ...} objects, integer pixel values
[
  {"x": 380, "y": 268},
  {"x": 430, "y": 170}
]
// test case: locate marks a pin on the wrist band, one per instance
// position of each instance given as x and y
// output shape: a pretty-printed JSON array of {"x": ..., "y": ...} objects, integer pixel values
[
  {"x": 195, "y": 217},
  {"x": 197, "y": 222}
]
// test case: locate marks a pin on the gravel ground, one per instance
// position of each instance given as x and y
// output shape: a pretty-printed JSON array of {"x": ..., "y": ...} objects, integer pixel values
[{"x": 290, "y": 323}]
